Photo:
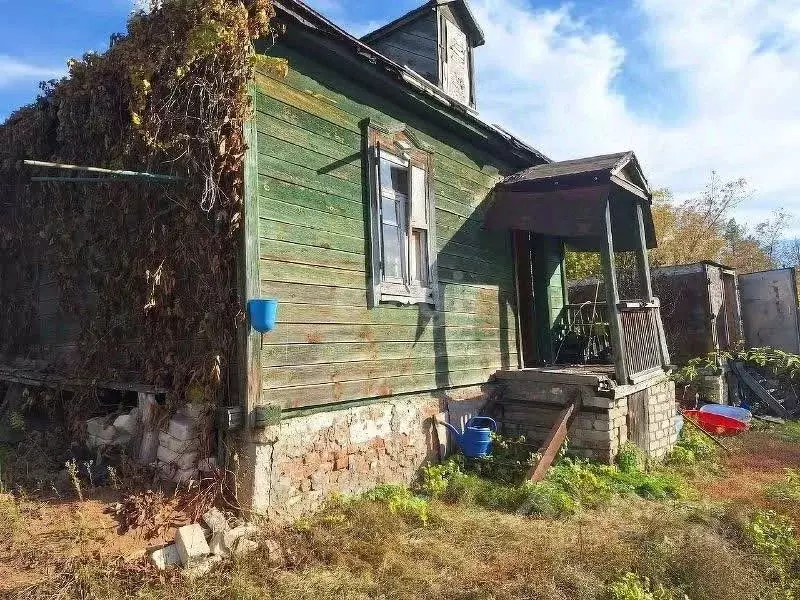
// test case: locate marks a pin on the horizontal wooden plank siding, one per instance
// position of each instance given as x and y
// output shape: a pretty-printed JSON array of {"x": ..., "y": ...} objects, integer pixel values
[{"x": 329, "y": 346}]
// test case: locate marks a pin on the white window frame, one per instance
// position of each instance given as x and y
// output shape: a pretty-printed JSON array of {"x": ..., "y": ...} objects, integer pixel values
[{"x": 399, "y": 147}]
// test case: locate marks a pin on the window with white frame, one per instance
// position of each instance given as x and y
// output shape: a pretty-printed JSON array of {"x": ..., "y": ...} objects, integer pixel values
[{"x": 402, "y": 209}]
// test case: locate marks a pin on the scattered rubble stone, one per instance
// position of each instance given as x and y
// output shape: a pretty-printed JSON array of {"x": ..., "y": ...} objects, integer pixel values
[
  {"x": 216, "y": 521},
  {"x": 274, "y": 553},
  {"x": 245, "y": 546},
  {"x": 203, "y": 566},
  {"x": 166, "y": 557},
  {"x": 192, "y": 545}
]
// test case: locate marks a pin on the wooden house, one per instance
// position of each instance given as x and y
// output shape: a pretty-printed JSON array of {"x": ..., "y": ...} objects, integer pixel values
[{"x": 416, "y": 253}]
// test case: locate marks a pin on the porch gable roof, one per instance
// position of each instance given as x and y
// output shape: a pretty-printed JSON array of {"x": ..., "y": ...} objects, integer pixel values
[{"x": 567, "y": 199}]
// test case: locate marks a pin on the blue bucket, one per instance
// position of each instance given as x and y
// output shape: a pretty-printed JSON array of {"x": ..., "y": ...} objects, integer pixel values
[{"x": 263, "y": 314}]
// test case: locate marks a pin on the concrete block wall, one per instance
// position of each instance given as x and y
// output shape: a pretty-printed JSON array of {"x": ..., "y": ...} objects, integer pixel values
[
  {"x": 661, "y": 413},
  {"x": 305, "y": 459}
]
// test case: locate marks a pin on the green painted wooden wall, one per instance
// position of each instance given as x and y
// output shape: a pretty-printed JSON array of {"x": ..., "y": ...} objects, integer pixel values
[{"x": 329, "y": 347}]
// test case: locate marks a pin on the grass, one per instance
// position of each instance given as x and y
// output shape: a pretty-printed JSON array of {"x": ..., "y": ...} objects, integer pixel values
[
  {"x": 10, "y": 517},
  {"x": 790, "y": 431},
  {"x": 787, "y": 490},
  {"x": 362, "y": 549},
  {"x": 628, "y": 532}
]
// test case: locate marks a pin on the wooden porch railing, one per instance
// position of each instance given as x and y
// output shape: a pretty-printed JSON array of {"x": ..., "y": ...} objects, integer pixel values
[
  {"x": 588, "y": 336},
  {"x": 642, "y": 337}
]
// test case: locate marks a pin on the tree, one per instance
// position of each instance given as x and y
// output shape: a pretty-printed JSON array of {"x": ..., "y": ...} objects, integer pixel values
[{"x": 703, "y": 229}]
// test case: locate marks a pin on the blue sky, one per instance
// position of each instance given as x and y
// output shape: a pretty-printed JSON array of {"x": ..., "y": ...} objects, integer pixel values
[{"x": 690, "y": 85}]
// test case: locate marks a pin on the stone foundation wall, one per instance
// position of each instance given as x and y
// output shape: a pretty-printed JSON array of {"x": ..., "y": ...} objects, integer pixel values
[{"x": 300, "y": 462}]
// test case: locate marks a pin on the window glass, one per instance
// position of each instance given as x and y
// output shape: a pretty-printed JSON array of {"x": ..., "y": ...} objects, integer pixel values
[
  {"x": 394, "y": 175},
  {"x": 392, "y": 252}
]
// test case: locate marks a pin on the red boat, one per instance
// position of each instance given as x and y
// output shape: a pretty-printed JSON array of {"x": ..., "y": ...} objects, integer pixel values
[{"x": 715, "y": 424}]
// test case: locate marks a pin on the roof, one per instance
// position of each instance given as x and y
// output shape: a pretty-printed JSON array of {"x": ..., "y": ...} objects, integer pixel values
[
  {"x": 461, "y": 6},
  {"x": 569, "y": 199},
  {"x": 303, "y": 15},
  {"x": 606, "y": 163}
]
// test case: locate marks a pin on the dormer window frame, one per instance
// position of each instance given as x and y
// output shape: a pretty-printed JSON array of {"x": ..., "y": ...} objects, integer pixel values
[{"x": 441, "y": 26}]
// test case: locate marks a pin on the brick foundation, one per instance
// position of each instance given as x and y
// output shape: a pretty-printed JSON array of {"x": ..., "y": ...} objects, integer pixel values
[
  {"x": 289, "y": 469},
  {"x": 607, "y": 419},
  {"x": 300, "y": 462}
]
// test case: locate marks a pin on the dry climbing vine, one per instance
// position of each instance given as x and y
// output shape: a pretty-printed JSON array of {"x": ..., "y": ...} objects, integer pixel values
[{"x": 146, "y": 274}]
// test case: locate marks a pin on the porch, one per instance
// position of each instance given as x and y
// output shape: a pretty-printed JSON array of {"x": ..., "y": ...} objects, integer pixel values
[
  {"x": 602, "y": 205},
  {"x": 596, "y": 369}
]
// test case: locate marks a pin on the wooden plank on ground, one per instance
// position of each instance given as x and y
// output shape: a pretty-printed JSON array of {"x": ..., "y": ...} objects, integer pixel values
[{"x": 553, "y": 443}]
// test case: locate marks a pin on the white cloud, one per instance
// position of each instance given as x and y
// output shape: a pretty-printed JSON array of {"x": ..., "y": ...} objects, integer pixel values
[
  {"x": 14, "y": 71},
  {"x": 550, "y": 78}
]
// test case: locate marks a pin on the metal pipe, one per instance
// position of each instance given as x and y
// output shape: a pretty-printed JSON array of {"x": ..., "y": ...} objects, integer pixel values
[
  {"x": 115, "y": 172},
  {"x": 90, "y": 180}
]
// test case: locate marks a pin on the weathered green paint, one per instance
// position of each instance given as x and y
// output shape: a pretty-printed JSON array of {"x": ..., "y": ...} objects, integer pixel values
[
  {"x": 313, "y": 236},
  {"x": 249, "y": 373},
  {"x": 549, "y": 293}
]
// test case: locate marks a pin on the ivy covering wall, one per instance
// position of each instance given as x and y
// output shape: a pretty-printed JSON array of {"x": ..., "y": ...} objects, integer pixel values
[{"x": 130, "y": 280}]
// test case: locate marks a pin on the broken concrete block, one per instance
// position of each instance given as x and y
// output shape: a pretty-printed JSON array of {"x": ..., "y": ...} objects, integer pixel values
[
  {"x": 195, "y": 412},
  {"x": 238, "y": 533},
  {"x": 245, "y": 546},
  {"x": 191, "y": 543},
  {"x": 166, "y": 557},
  {"x": 126, "y": 423},
  {"x": 183, "y": 428},
  {"x": 225, "y": 543},
  {"x": 203, "y": 566},
  {"x": 178, "y": 446},
  {"x": 187, "y": 460},
  {"x": 99, "y": 427},
  {"x": 216, "y": 521},
  {"x": 274, "y": 553},
  {"x": 172, "y": 473},
  {"x": 217, "y": 545}
]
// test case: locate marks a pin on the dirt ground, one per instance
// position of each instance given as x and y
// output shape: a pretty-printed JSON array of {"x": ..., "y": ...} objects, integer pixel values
[
  {"x": 53, "y": 531},
  {"x": 757, "y": 460}
]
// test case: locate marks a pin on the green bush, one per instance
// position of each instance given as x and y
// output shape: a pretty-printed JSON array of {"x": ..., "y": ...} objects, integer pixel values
[{"x": 692, "y": 449}]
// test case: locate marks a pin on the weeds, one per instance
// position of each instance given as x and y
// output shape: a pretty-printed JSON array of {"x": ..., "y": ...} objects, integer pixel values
[
  {"x": 633, "y": 587},
  {"x": 10, "y": 516},
  {"x": 403, "y": 502},
  {"x": 787, "y": 490},
  {"x": 569, "y": 484},
  {"x": 693, "y": 453},
  {"x": 773, "y": 537},
  {"x": 72, "y": 471}
]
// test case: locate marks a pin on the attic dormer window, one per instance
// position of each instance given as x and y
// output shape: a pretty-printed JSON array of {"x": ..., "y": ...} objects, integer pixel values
[
  {"x": 455, "y": 63},
  {"x": 436, "y": 41}
]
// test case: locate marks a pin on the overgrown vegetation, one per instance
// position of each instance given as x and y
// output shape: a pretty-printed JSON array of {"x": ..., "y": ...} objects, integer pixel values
[
  {"x": 777, "y": 362},
  {"x": 393, "y": 542},
  {"x": 570, "y": 484},
  {"x": 787, "y": 490},
  {"x": 145, "y": 273}
]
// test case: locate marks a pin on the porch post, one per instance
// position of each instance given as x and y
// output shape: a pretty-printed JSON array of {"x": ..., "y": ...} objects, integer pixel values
[
  {"x": 612, "y": 296},
  {"x": 642, "y": 261},
  {"x": 644, "y": 276}
]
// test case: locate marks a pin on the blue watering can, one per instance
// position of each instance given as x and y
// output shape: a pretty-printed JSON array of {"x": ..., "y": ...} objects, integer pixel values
[{"x": 476, "y": 441}]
